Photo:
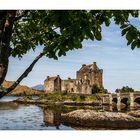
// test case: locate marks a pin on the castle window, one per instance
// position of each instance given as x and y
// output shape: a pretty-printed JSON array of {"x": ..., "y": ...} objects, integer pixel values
[
  {"x": 72, "y": 90},
  {"x": 81, "y": 80},
  {"x": 88, "y": 81}
]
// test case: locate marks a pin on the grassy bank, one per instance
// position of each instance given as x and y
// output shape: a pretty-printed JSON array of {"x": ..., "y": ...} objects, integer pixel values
[
  {"x": 54, "y": 97},
  {"x": 137, "y": 119}
]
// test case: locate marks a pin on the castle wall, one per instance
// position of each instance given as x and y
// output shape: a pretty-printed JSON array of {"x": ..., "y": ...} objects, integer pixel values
[
  {"x": 52, "y": 84},
  {"x": 68, "y": 85},
  {"x": 84, "y": 74},
  {"x": 86, "y": 89},
  {"x": 57, "y": 85},
  {"x": 49, "y": 86},
  {"x": 97, "y": 78}
]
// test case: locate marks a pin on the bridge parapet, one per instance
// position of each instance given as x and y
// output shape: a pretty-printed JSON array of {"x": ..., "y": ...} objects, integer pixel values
[
  {"x": 125, "y": 94},
  {"x": 113, "y": 95},
  {"x": 136, "y": 94}
]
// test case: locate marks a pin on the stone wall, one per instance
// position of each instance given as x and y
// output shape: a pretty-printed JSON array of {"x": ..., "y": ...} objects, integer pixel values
[
  {"x": 97, "y": 78},
  {"x": 52, "y": 84},
  {"x": 75, "y": 86},
  {"x": 69, "y": 85},
  {"x": 57, "y": 84},
  {"x": 49, "y": 86}
]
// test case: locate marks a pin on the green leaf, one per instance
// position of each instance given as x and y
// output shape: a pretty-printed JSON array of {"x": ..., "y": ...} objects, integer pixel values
[
  {"x": 129, "y": 37},
  {"x": 133, "y": 45},
  {"x": 98, "y": 35},
  {"x": 107, "y": 22},
  {"x": 124, "y": 31},
  {"x": 135, "y": 13},
  {"x": 124, "y": 26},
  {"x": 138, "y": 43},
  {"x": 91, "y": 35}
]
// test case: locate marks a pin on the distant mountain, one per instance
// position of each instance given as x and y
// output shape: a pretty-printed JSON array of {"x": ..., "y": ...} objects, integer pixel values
[
  {"x": 38, "y": 87},
  {"x": 22, "y": 90}
]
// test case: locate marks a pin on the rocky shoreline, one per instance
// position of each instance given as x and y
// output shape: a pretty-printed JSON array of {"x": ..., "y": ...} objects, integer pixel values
[
  {"x": 91, "y": 118},
  {"x": 135, "y": 113}
]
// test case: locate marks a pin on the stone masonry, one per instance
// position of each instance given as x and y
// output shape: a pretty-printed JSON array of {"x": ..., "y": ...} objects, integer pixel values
[
  {"x": 52, "y": 84},
  {"x": 86, "y": 77}
]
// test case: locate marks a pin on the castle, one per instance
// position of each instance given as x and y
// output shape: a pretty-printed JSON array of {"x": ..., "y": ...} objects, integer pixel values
[{"x": 86, "y": 78}]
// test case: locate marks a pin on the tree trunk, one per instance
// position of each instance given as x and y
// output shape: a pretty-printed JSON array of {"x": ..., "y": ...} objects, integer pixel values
[{"x": 6, "y": 26}]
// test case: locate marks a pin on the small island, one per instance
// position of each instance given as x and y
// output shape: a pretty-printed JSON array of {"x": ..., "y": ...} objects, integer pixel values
[{"x": 84, "y": 91}]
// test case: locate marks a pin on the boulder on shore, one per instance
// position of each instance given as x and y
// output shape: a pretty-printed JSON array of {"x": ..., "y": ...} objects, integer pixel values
[
  {"x": 91, "y": 118},
  {"x": 134, "y": 113}
]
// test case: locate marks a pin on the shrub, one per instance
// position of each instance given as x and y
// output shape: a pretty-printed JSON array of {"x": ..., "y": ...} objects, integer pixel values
[
  {"x": 124, "y": 89},
  {"x": 95, "y": 89}
]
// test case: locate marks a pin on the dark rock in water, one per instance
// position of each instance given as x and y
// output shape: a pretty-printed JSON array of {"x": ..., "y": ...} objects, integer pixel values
[{"x": 91, "y": 118}]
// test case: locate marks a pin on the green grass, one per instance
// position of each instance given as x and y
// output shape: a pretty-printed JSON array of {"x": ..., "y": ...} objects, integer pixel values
[
  {"x": 137, "y": 119},
  {"x": 54, "y": 97},
  {"x": 64, "y": 108}
]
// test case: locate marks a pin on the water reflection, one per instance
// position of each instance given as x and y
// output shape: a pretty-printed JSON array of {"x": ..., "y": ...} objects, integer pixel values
[
  {"x": 8, "y": 105},
  {"x": 120, "y": 108},
  {"x": 52, "y": 115},
  {"x": 52, "y": 118},
  {"x": 28, "y": 117}
]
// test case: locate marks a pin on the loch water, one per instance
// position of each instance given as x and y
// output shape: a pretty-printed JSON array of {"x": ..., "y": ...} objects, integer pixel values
[{"x": 15, "y": 116}]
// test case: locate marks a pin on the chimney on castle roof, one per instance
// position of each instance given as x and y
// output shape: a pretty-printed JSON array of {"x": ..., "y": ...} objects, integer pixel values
[
  {"x": 94, "y": 65},
  {"x": 83, "y": 65}
]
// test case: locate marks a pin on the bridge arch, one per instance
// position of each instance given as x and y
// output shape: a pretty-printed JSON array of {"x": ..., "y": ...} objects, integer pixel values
[
  {"x": 115, "y": 100},
  {"x": 125, "y": 100},
  {"x": 137, "y": 100}
]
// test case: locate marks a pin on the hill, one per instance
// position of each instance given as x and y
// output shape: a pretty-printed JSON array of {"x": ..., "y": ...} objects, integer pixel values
[
  {"x": 38, "y": 87},
  {"x": 22, "y": 90}
]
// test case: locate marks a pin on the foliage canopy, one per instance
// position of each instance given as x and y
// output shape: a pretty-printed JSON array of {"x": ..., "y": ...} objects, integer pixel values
[{"x": 61, "y": 31}]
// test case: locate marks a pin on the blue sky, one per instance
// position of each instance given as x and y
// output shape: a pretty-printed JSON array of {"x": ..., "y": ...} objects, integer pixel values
[{"x": 121, "y": 65}]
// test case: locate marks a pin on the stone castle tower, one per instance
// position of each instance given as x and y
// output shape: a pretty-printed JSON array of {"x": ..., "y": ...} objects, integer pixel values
[
  {"x": 92, "y": 74},
  {"x": 86, "y": 77}
]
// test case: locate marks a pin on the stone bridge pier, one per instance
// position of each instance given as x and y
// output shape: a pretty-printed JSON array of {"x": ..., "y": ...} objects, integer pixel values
[{"x": 118, "y": 102}]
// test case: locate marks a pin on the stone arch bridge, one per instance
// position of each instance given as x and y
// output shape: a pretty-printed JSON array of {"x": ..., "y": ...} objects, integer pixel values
[{"x": 129, "y": 99}]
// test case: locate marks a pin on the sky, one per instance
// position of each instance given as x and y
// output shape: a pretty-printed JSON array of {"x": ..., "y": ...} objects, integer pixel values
[{"x": 121, "y": 65}]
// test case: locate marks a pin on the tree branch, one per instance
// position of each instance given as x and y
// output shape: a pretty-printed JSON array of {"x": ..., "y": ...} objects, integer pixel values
[{"x": 25, "y": 74}]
